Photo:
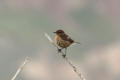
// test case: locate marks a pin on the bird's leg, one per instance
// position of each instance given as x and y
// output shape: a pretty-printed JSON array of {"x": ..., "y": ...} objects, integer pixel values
[
  {"x": 59, "y": 50},
  {"x": 65, "y": 52}
]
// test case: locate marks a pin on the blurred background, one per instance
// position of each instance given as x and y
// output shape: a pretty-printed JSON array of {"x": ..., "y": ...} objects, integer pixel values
[{"x": 94, "y": 23}]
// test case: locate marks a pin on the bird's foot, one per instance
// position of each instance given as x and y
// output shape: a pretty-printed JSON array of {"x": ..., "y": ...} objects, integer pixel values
[
  {"x": 64, "y": 55},
  {"x": 59, "y": 50}
]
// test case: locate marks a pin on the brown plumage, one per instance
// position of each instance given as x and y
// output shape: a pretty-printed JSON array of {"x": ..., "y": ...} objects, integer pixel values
[{"x": 63, "y": 40}]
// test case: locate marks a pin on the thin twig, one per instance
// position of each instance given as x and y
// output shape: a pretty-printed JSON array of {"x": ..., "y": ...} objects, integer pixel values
[
  {"x": 27, "y": 59},
  {"x": 66, "y": 58}
]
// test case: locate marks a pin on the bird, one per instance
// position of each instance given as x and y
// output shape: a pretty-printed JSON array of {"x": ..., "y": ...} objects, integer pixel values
[{"x": 63, "y": 40}]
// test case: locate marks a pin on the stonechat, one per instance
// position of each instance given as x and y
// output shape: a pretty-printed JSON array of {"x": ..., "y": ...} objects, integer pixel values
[{"x": 63, "y": 40}]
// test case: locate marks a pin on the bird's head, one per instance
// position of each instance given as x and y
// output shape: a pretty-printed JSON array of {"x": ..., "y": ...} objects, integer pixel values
[{"x": 59, "y": 32}]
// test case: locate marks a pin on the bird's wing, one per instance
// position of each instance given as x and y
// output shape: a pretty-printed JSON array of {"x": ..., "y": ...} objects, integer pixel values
[{"x": 66, "y": 38}]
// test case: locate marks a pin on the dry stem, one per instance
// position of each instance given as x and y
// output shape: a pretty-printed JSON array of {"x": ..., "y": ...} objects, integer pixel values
[
  {"x": 21, "y": 68},
  {"x": 66, "y": 58}
]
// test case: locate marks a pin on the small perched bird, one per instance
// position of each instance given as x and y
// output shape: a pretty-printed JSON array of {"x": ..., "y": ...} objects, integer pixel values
[{"x": 63, "y": 40}]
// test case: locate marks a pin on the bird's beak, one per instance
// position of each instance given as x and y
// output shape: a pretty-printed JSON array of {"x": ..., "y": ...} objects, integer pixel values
[{"x": 54, "y": 32}]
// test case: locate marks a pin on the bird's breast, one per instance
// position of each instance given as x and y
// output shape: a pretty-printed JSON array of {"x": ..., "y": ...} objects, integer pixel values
[{"x": 62, "y": 43}]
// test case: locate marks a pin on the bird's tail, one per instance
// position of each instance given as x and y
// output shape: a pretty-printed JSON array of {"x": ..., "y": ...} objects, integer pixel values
[{"x": 77, "y": 42}]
